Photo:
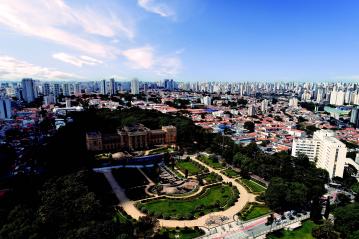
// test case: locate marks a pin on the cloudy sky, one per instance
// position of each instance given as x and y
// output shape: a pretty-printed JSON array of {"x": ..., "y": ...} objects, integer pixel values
[{"x": 188, "y": 40}]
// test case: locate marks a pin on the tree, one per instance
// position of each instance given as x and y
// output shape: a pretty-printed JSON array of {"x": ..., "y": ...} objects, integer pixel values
[
  {"x": 146, "y": 226},
  {"x": 342, "y": 199},
  {"x": 296, "y": 197},
  {"x": 347, "y": 219},
  {"x": 186, "y": 173},
  {"x": 249, "y": 125},
  {"x": 325, "y": 231},
  {"x": 66, "y": 207},
  {"x": 275, "y": 194},
  {"x": 354, "y": 235}
]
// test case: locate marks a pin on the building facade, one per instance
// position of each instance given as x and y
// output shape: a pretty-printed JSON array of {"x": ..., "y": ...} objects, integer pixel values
[
  {"x": 28, "y": 90},
  {"x": 5, "y": 109},
  {"x": 325, "y": 150},
  {"x": 131, "y": 138}
]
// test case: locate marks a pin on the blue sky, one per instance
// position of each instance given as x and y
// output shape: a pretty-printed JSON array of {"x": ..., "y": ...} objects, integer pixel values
[{"x": 188, "y": 40}]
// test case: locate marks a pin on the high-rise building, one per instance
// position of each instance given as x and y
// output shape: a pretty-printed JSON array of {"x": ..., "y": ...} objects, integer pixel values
[
  {"x": 112, "y": 86},
  {"x": 46, "y": 89},
  {"x": 5, "y": 109},
  {"x": 169, "y": 84},
  {"x": 340, "y": 98},
  {"x": 66, "y": 89},
  {"x": 251, "y": 110},
  {"x": 49, "y": 99},
  {"x": 354, "y": 117},
  {"x": 56, "y": 89},
  {"x": 325, "y": 150},
  {"x": 135, "y": 87},
  {"x": 103, "y": 87},
  {"x": 28, "y": 90},
  {"x": 264, "y": 105},
  {"x": 293, "y": 102},
  {"x": 77, "y": 89},
  {"x": 207, "y": 100},
  {"x": 68, "y": 103}
]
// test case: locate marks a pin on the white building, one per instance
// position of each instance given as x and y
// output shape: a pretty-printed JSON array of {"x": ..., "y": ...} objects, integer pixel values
[
  {"x": 135, "y": 87},
  {"x": 207, "y": 100},
  {"x": 264, "y": 105},
  {"x": 68, "y": 103},
  {"x": 324, "y": 149},
  {"x": 293, "y": 102},
  {"x": 5, "y": 109},
  {"x": 337, "y": 97}
]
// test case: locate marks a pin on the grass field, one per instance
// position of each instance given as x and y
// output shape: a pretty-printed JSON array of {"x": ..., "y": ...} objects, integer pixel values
[
  {"x": 119, "y": 217},
  {"x": 230, "y": 173},
  {"x": 304, "y": 232},
  {"x": 210, "y": 161},
  {"x": 182, "y": 233},
  {"x": 253, "y": 186},
  {"x": 214, "y": 198},
  {"x": 255, "y": 211},
  {"x": 192, "y": 168},
  {"x": 161, "y": 150}
]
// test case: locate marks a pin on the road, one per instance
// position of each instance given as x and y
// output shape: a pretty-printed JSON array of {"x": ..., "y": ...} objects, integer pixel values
[{"x": 251, "y": 229}]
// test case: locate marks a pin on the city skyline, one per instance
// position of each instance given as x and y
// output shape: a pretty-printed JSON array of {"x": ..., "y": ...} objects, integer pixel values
[{"x": 185, "y": 40}]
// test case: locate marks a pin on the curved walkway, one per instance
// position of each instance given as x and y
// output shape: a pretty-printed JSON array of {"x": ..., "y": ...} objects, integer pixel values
[{"x": 130, "y": 208}]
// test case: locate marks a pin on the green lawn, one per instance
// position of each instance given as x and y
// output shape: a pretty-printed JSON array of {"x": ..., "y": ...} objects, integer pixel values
[
  {"x": 213, "y": 199},
  {"x": 161, "y": 150},
  {"x": 231, "y": 173},
  {"x": 253, "y": 186},
  {"x": 119, "y": 217},
  {"x": 182, "y": 233},
  {"x": 255, "y": 211},
  {"x": 304, "y": 232},
  {"x": 210, "y": 161},
  {"x": 192, "y": 168}
]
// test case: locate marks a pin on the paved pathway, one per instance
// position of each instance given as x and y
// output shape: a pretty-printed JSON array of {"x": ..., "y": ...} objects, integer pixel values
[{"x": 131, "y": 210}]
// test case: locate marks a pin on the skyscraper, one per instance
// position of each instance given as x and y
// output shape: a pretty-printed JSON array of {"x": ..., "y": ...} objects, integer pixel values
[
  {"x": 77, "y": 88},
  {"x": 66, "y": 89},
  {"x": 264, "y": 105},
  {"x": 56, "y": 89},
  {"x": 207, "y": 100},
  {"x": 103, "y": 87},
  {"x": 112, "y": 86},
  {"x": 135, "y": 88},
  {"x": 5, "y": 109},
  {"x": 46, "y": 89},
  {"x": 28, "y": 90},
  {"x": 251, "y": 110},
  {"x": 354, "y": 117}
]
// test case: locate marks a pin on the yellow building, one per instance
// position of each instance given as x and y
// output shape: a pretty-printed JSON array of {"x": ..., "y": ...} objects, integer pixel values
[{"x": 131, "y": 138}]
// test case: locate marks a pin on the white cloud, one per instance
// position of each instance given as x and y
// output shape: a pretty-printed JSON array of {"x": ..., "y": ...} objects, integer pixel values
[
  {"x": 145, "y": 58},
  {"x": 12, "y": 68},
  {"x": 76, "y": 61},
  {"x": 140, "y": 58},
  {"x": 56, "y": 21},
  {"x": 168, "y": 66},
  {"x": 156, "y": 7}
]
